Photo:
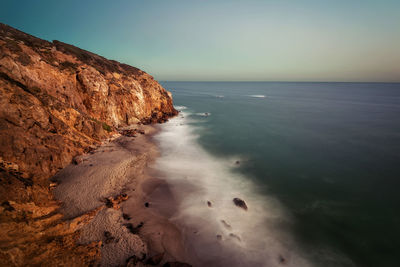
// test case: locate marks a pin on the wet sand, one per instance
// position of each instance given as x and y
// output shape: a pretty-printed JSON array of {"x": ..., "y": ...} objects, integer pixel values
[{"x": 138, "y": 226}]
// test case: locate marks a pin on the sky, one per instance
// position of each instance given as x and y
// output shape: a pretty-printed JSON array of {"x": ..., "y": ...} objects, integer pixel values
[{"x": 253, "y": 40}]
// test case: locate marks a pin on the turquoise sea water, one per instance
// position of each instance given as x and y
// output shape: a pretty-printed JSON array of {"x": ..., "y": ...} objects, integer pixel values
[{"x": 328, "y": 153}]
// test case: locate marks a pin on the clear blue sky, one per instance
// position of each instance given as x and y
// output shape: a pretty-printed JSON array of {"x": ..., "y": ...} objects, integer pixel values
[{"x": 282, "y": 40}]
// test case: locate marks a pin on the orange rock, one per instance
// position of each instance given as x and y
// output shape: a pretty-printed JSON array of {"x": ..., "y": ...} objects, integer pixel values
[{"x": 57, "y": 102}]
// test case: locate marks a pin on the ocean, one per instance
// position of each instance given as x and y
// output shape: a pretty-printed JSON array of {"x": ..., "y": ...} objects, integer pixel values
[{"x": 318, "y": 165}]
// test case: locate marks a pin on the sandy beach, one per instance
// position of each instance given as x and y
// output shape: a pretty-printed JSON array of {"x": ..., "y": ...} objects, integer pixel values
[{"x": 114, "y": 180}]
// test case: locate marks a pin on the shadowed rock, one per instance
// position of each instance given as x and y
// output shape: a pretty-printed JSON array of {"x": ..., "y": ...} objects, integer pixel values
[
  {"x": 77, "y": 160},
  {"x": 155, "y": 260},
  {"x": 126, "y": 216},
  {"x": 281, "y": 259},
  {"x": 176, "y": 264},
  {"x": 129, "y": 133},
  {"x": 7, "y": 206},
  {"x": 134, "y": 230},
  {"x": 108, "y": 237},
  {"x": 135, "y": 261},
  {"x": 240, "y": 203},
  {"x": 113, "y": 202}
]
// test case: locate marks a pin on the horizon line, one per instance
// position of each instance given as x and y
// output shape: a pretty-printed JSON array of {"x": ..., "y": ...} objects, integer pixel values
[{"x": 241, "y": 81}]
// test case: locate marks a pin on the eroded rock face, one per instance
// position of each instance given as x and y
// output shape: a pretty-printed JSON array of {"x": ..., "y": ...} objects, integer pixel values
[{"x": 57, "y": 101}]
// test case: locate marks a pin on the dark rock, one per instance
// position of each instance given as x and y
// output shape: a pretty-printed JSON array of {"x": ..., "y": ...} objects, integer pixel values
[
  {"x": 237, "y": 162},
  {"x": 129, "y": 133},
  {"x": 155, "y": 260},
  {"x": 77, "y": 160},
  {"x": 176, "y": 264},
  {"x": 126, "y": 216},
  {"x": 240, "y": 203},
  {"x": 209, "y": 204},
  {"x": 219, "y": 237},
  {"x": 7, "y": 206},
  {"x": 281, "y": 259},
  {"x": 108, "y": 237},
  {"x": 134, "y": 230},
  {"x": 113, "y": 202},
  {"x": 158, "y": 117},
  {"x": 131, "y": 228},
  {"x": 134, "y": 261},
  {"x": 108, "y": 202},
  {"x": 107, "y": 234},
  {"x": 146, "y": 204}
]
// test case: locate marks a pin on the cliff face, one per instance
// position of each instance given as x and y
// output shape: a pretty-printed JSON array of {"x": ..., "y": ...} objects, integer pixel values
[{"x": 57, "y": 101}]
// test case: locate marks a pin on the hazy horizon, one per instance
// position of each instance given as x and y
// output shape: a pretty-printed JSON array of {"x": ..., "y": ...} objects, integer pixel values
[
  {"x": 266, "y": 81},
  {"x": 288, "y": 41}
]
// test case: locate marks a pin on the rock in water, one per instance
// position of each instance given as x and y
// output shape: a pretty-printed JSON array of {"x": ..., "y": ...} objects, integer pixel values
[{"x": 240, "y": 203}]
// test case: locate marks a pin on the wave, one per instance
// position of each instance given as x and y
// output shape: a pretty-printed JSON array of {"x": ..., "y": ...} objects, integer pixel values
[
  {"x": 258, "y": 96},
  {"x": 217, "y": 232},
  {"x": 180, "y": 108},
  {"x": 203, "y": 114}
]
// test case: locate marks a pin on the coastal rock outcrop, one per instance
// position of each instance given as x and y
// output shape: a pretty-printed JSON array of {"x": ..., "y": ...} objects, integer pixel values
[{"x": 58, "y": 101}]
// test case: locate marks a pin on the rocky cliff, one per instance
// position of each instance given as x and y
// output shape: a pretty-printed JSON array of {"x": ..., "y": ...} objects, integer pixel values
[{"x": 58, "y": 101}]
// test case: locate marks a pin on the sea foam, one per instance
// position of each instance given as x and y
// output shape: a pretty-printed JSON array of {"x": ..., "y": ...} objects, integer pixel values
[
  {"x": 216, "y": 232},
  {"x": 258, "y": 96}
]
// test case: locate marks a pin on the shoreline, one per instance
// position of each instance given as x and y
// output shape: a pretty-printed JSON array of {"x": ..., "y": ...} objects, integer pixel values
[{"x": 116, "y": 182}]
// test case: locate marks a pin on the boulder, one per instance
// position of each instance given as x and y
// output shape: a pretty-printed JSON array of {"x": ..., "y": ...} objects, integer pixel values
[{"x": 240, "y": 203}]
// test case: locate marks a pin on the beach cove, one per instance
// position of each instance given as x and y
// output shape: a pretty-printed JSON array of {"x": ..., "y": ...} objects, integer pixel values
[{"x": 115, "y": 181}]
